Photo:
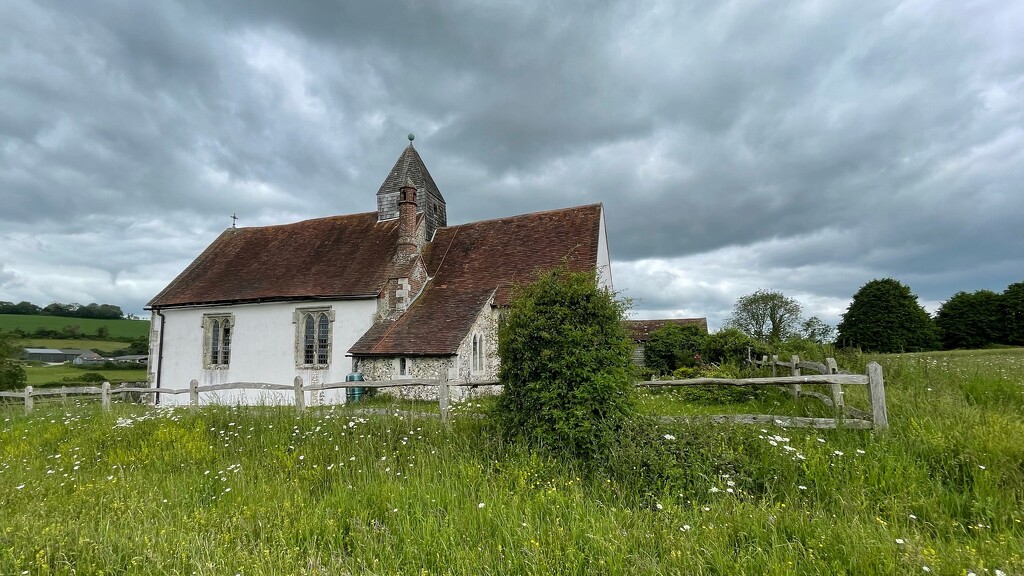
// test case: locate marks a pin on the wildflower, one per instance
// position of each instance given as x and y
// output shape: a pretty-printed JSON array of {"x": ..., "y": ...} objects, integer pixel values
[
  {"x": 19, "y": 487},
  {"x": 802, "y": 487},
  {"x": 480, "y": 505},
  {"x": 714, "y": 490},
  {"x": 926, "y": 569},
  {"x": 669, "y": 437},
  {"x": 980, "y": 466},
  {"x": 900, "y": 541},
  {"x": 685, "y": 528},
  {"x": 658, "y": 505}
]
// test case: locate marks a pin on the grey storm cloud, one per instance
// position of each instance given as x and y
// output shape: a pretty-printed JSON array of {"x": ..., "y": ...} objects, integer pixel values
[{"x": 806, "y": 146}]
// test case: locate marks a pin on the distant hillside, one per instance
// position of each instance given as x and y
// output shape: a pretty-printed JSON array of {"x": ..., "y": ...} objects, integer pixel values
[{"x": 88, "y": 326}]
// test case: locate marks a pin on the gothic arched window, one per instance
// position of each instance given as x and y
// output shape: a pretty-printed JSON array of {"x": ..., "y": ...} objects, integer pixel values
[{"x": 313, "y": 341}]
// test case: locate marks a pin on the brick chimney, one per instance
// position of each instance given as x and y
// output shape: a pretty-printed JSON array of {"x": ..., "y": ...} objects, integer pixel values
[{"x": 407, "y": 245}]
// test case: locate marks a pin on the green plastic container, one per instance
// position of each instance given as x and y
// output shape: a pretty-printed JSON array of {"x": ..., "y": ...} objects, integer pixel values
[{"x": 355, "y": 393}]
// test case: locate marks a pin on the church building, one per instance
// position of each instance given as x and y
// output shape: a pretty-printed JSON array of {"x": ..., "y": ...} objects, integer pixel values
[{"x": 395, "y": 293}]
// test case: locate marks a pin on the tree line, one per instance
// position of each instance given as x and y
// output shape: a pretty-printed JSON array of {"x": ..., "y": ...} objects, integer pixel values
[
  {"x": 72, "y": 310},
  {"x": 883, "y": 316}
]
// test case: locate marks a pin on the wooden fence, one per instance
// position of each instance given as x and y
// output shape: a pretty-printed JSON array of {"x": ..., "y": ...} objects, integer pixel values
[
  {"x": 845, "y": 417},
  {"x": 297, "y": 388},
  {"x": 828, "y": 374}
]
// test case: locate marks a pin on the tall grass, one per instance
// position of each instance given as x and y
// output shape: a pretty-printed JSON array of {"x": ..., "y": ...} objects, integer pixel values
[{"x": 261, "y": 491}]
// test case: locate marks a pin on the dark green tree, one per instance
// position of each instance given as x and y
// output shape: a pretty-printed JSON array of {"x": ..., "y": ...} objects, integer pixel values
[
  {"x": 970, "y": 320},
  {"x": 885, "y": 316},
  {"x": 766, "y": 315},
  {"x": 566, "y": 366},
  {"x": 673, "y": 346},
  {"x": 12, "y": 375},
  {"x": 1012, "y": 306}
]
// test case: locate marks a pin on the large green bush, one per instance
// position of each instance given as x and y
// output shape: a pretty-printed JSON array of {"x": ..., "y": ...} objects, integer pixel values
[
  {"x": 566, "y": 366},
  {"x": 732, "y": 346},
  {"x": 673, "y": 346}
]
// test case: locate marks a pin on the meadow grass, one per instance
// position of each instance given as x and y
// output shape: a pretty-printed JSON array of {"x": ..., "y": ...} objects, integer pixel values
[
  {"x": 102, "y": 345},
  {"x": 118, "y": 328},
  {"x": 65, "y": 374},
  {"x": 259, "y": 490}
]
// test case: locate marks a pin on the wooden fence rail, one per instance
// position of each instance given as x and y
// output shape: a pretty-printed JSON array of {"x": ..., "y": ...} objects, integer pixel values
[{"x": 845, "y": 417}]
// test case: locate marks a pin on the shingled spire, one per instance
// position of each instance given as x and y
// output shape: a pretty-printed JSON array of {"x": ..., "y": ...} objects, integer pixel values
[{"x": 410, "y": 167}]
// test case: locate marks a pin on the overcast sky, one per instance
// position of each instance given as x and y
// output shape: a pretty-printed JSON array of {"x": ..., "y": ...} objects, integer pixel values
[{"x": 806, "y": 147}]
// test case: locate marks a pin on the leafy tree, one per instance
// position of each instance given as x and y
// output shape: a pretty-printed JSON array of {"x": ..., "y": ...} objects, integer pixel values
[
  {"x": 817, "y": 330},
  {"x": 12, "y": 375},
  {"x": 1012, "y": 305},
  {"x": 766, "y": 316},
  {"x": 970, "y": 320},
  {"x": 566, "y": 366},
  {"x": 57, "y": 309},
  {"x": 673, "y": 346},
  {"x": 885, "y": 316}
]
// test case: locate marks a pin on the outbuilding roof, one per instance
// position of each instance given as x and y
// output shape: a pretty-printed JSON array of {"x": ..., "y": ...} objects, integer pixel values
[
  {"x": 640, "y": 330},
  {"x": 474, "y": 264}
]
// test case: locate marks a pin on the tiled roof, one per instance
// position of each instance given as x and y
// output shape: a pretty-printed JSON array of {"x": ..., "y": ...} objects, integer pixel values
[
  {"x": 470, "y": 263},
  {"x": 339, "y": 256},
  {"x": 640, "y": 330}
]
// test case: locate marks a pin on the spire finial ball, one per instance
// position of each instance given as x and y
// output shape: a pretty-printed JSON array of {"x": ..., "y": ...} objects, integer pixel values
[{"x": 411, "y": 137}]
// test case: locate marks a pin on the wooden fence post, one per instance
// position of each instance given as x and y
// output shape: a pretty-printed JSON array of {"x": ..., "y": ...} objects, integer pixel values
[
  {"x": 775, "y": 360},
  {"x": 300, "y": 396},
  {"x": 105, "y": 396},
  {"x": 28, "y": 399},
  {"x": 794, "y": 370},
  {"x": 442, "y": 393},
  {"x": 193, "y": 393},
  {"x": 876, "y": 394},
  {"x": 837, "y": 389}
]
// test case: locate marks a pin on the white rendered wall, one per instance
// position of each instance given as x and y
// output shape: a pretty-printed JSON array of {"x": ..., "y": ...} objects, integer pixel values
[
  {"x": 263, "y": 349},
  {"x": 604, "y": 260}
]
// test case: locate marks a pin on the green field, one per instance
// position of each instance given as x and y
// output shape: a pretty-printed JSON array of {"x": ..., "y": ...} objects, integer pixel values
[
  {"x": 103, "y": 345},
  {"x": 260, "y": 491},
  {"x": 57, "y": 375},
  {"x": 117, "y": 328}
]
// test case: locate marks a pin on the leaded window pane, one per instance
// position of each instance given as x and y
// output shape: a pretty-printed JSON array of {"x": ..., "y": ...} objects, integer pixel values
[
  {"x": 225, "y": 346},
  {"x": 309, "y": 342},
  {"x": 323, "y": 338},
  {"x": 214, "y": 342}
]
